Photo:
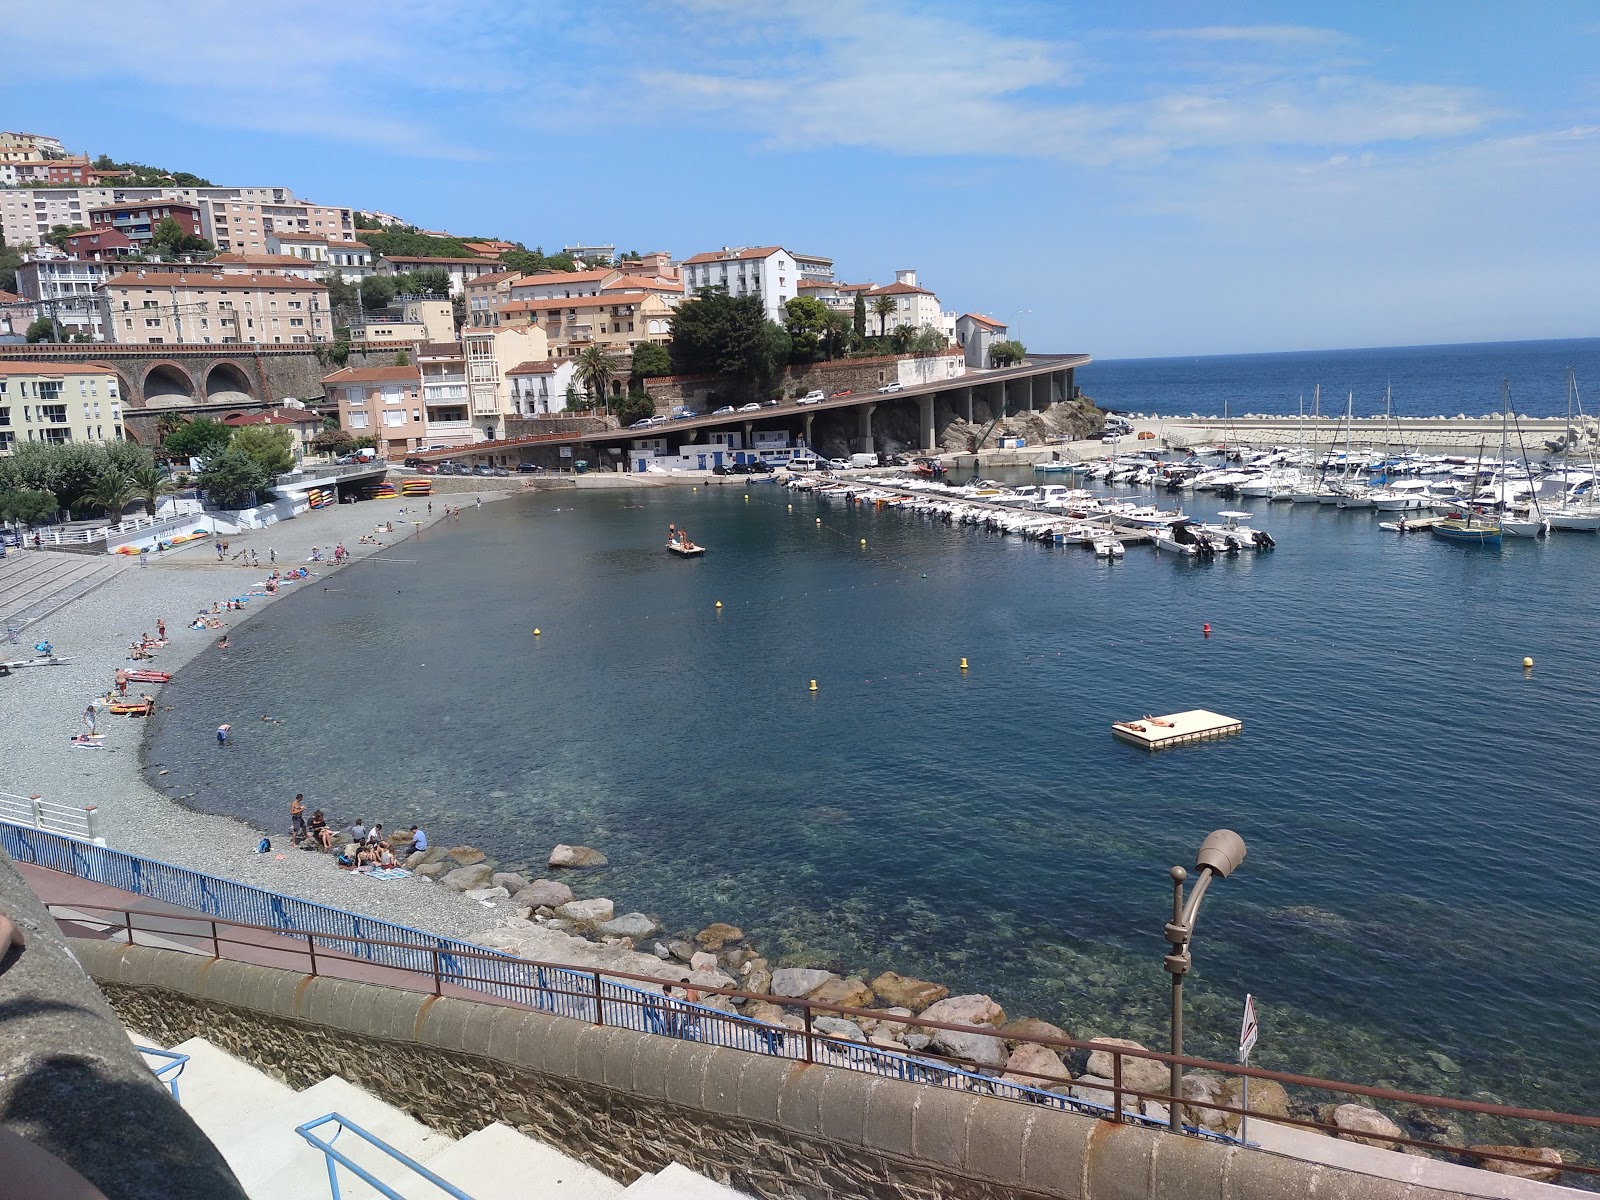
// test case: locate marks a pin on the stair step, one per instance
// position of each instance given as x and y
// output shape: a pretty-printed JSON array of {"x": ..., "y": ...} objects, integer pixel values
[
  {"x": 678, "y": 1182},
  {"x": 226, "y": 1098},
  {"x": 498, "y": 1163},
  {"x": 275, "y": 1163}
]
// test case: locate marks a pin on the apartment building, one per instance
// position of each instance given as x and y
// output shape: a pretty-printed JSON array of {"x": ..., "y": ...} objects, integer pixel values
[
  {"x": 976, "y": 334},
  {"x": 540, "y": 388},
  {"x": 485, "y": 295},
  {"x": 445, "y": 406},
  {"x": 768, "y": 272},
  {"x": 209, "y": 305},
  {"x": 563, "y": 285},
  {"x": 29, "y": 147},
  {"x": 351, "y": 259},
  {"x": 103, "y": 244},
  {"x": 914, "y": 306},
  {"x": 137, "y": 221},
  {"x": 384, "y": 403},
  {"x": 58, "y": 402},
  {"x": 461, "y": 270},
  {"x": 419, "y": 319},
  {"x": 68, "y": 289},
  {"x": 616, "y": 320},
  {"x": 265, "y": 264},
  {"x": 489, "y": 355}
]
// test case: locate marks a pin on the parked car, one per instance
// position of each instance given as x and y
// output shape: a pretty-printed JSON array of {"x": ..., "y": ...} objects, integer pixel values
[
  {"x": 502, "y": 472},
  {"x": 412, "y": 462},
  {"x": 643, "y": 423},
  {"x": 485, "y": 471},
  {"x": 344, "y": 460},
  {"x": 719, "y": 469},
  {"x": 684, "y": 414},
  {"x": 751, "y": 407},
  {"x": 770, "y": 404},
  {"x": 1111, "y": 439},
  {"x": 891, "y": 387},
  {"x": 812, "y": 397},
  {"x": 838, "y": 464},
  {"x": 799, "y": 463},
  {"x": 761, "y": 468},
  {"x": 724, "y": 410},
  {"x": 427, "y": 469},
  {"x": 739, "y": 469},
  {"x": 840, "y": 392},
  {"x": 526, "y": 468}
]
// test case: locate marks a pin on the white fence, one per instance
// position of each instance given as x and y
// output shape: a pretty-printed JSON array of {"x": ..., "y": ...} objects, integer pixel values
[{"x": 38, "y": 813}]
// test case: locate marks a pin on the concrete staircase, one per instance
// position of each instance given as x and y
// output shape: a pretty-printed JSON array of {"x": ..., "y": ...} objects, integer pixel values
[
  {"x": 251, "y": 1118},
  {"x": 35, "y": 583}
]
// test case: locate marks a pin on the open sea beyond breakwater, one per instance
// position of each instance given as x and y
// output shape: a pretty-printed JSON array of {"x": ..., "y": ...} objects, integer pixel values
[{"x": 1415, "y": 908}]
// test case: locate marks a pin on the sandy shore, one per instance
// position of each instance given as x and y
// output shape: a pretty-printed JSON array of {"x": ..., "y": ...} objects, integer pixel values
[{"x": 42, "y": 708}]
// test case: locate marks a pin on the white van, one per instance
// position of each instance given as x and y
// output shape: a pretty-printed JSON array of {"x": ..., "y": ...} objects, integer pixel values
[{"x": 863, "y": 460}]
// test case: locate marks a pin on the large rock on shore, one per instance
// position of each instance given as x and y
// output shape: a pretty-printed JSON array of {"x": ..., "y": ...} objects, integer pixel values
[
  {"x": 902, "y": 991},
  {"x": 510, "y": 880},
  {"x": 703, "y": 960},
  {"x": 1028, "y": 1061},
  {"x": 587, "y": 912},
  {"x": 1355, "y": 1121},
  {"x": 798, "y": 981},
  {"x": 487, "y": 893},
  {"x": 847, "y": 993},
  {"x": 577, "y": 856},
  {"x": 465, "y": 879},
  {"x": 763, "y": 1010},
  {"x": 433, "y": 870},
  {"x": 465, "y": 856},
  {"x": 544, "y": 893},
  {"x": 635, "y": 925},
  {"x": 1550, "y": 1160},
  {"x": 978, "y": 1048},
  {"x": 965, "y": 1010},
  {"x": 1138, "y": 1074},
  {"x": 1030, "y": 1027},
  {"x": 839, "y": 1028},
  {"x": 757, "y": 975},
  {"x": 719, "y": 934}
]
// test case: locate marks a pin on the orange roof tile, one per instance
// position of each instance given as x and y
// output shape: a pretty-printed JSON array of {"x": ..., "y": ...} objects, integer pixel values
[
  {"x": 50, "y": 368},
  {"x": 983, "y": 320},
  {"x": 604, "y": 301},
  {"x": 733, "y": 255},
  {"x": 548, "y": 367},
  {"x": 641, "y": 283},
  {"x": 549, "y": 278},
  {"x": 493, "y": 278},
  {"x": 374, "y": 375},
  {"x": 899, "y": 289},
  {"x": 213, "y": 281}
]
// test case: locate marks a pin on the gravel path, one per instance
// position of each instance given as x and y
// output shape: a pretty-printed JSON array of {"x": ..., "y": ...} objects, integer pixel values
[{"x": 40, "y": 708}]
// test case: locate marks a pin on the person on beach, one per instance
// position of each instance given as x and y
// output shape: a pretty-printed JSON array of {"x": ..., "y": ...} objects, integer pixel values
[
  {"x": 222, "y": 734},
  {"x": 272, "y": 556},
  {"x": 161, "y": 629},
  {"x": 386, "y": 859},
  {"x": 319, "y": 829},
  {"x": 430, "y": 508},
  {"x": 419, "y": 839},
  {"x": 222, "y": 642},
  {"x": 479, "y": 499},
  {"x": 219, "y": 551},
  {"x": 358, "y": 832},
  {"x": 121, "y": 678},
  {"x": 297, "y": 818},
  {"x": 375, "y": 834},
  {"x": 89, "y": 722}
]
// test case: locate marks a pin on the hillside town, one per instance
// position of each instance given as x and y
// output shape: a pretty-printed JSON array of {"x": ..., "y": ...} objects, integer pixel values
[{"x": 451, "y": 337}]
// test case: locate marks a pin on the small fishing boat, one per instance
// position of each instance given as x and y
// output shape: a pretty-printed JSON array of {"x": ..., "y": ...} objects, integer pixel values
[
  {"x": 1466, "y": 530},
  {"x": 1109, "y": 547}
]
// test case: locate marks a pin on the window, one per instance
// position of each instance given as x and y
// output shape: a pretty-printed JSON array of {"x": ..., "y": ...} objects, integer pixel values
[
  {"x": 395, "y": 418},
  {"x": 56, "y": 414},
  {"x": 152, "y": 322},
  {"x": 358, "y": 420}
]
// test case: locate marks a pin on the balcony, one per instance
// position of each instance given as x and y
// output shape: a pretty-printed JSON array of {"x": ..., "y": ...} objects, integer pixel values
[
  {"x": 431, "y": 378},
  {"x": 441, "y": 394}
]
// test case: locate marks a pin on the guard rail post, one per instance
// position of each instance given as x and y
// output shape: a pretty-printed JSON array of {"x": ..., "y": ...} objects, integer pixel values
[
  {"x": 38, "y": 810},
  {"x": 92, "y": 815}
]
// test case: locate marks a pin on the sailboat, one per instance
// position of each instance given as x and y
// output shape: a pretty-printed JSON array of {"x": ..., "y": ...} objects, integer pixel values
[
  {"x": 1479, "y": 532},
  {"x": 1512, "y": 523},
  {"x": 1584, "y": 514}
]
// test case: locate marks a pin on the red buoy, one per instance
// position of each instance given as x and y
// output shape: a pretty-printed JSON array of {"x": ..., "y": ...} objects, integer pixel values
[{"x": 1206, "y": 629}]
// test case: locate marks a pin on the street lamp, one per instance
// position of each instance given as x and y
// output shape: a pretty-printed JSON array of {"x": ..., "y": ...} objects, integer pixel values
[{"x": 1220, "y": 854}]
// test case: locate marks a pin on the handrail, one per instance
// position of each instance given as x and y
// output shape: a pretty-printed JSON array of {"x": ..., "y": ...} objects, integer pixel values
[
  {"x": 589, "y": 993},
  {"x": 336, "y": 1158},
  {"x": 169, "y": 1072}
]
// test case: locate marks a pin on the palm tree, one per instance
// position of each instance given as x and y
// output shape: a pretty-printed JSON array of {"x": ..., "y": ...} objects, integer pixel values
[
  {"x": 149, "y": 485},
  {"x": 883, "y": 308},
  {"x": 167, "y": 424},
  {"x": 835, "y": 334},
  {"x": 110, "y": 493},
  {"x": 597, "y": 368}
]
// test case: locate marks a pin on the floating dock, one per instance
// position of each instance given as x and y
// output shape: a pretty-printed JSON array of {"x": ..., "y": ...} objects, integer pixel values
[
  {"x": 1405, "y": 524},
  {"x": 1176, "y": 729}
]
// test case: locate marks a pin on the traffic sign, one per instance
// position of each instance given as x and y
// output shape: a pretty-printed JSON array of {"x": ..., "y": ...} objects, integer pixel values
[{"x": 1249, "y": 1031}]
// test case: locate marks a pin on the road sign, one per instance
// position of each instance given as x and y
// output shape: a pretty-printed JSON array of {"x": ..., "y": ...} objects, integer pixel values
[{"x": 1249, "y": 1031}]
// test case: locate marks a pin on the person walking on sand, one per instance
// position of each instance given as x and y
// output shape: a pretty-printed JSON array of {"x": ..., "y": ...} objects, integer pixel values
[
  {"x": 297, "y": 817},
  {"x": 479, "y": 499},
  {"x": 161, "y": 629},
  {"x": 272, "y": 556},
  {"x": 89, "y": 721},
  {"x": 121, "y": 678}
]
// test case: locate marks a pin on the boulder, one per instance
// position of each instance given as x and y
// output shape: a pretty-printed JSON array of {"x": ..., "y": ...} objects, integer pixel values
[
  {"x": 847, "y": 993},
  {"x": 703, "y": 960},
  {"x": 903, "y": 991},
  {"x": 488, "y": 893},
  {"x": 1355, "y": 1121},
  {"x": 735, "y": 959},
  {"x": 1267, "y": 1097},
  {"x": 432, "y": 870},
  {"x": 1030, "y": 1027},
  {"x": 978, "y": 1048},
  {"x": 763, "y": 1010},
  {"x": 798, "y": 981},
  {"x": 1211, "y": 1088},
  {"x": 915, "y": 1040},
  {"x": 633, "y": 925},
  {"x": 965, "y": 1010},
  {"x": 1138, "y": 1074},
  {"x": 894, "y": 1029},
  {"x": 711, "y": 979},
  {"x": 587, "y": 912},
  {"x": 464, "y": 879},
  {"x": 681, "y": 950},
  {"x": 757, "y": 975},
  {"x": 719, "y": 934},
  {"x": 544, "y": 893},
  {"x": 576, "y": 856},
  {"x": 1548, "y": 1170},
  {"x": 661, "y": 952},
  {"x": 839, "y": 1028},
  {"x": 510, "y": 880},
  {"x": 1028, "y": 1061},
  {"x": 465, "y": 856}
]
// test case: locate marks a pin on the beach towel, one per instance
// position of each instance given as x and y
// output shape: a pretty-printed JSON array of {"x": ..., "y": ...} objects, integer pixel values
[{"x": 388, "y": 873}]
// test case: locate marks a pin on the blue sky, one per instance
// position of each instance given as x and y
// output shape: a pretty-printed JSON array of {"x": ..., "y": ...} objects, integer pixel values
[{"x": 1124, "y": 179}]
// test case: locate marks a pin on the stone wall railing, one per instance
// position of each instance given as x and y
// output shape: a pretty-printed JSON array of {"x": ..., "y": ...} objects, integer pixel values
[{"x": 629, "y": 1103}]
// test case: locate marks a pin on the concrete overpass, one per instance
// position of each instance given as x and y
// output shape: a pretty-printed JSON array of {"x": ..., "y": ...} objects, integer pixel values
[{"x": 973, "y": 397}]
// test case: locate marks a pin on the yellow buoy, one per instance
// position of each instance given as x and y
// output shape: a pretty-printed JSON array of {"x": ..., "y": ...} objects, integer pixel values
[
  {"x": 719, "y": 603},
  {"x": 791, "y": 508},
  {"x": 819, "y": 520},
  {"x": 1527, "y": 664},
  {"x": 963, "y": 664},
  {"x": 863, "y": 541},
  {"x": 813, "y": 685},
  {"x": 747, "y": 497},
  {"x": 536, "y": 632}
]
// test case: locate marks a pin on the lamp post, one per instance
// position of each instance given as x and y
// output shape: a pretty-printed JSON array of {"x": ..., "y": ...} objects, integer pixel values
[{"x": 1219, "y": 855}]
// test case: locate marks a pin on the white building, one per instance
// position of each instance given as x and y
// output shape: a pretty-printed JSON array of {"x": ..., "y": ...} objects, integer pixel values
[
  {"x": 914, "y": 306},
  {"x": 563, "y": 285},
  {"x": 540, "y": 388},
  {"x": 976, "y": 334},
  {"x": 461, "y": 270},
  {"x": 74, "y": 285},
  {"x": 352, "y": 260},
  {"x": 769, "y": 272}
]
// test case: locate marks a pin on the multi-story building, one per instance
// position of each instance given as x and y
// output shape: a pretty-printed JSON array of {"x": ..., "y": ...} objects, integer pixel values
[
  {"x": 540, "y": 388},
  {"x": 813, "y": 266},
  {"x": 58, "y": 402},
  {"x": 445, "y": 405},
  {"x": 460, "y": 270},
  {"x": 616, "y": 320},
  {"x": 485, "y": 295},
  {"x": 768, "y": 272},
  {"x": 211, "y": 306},
  {"x": 591, "y": 254},
  {"x": 840, "y": 297},
  {"x": 351, "y": 259},
  {"x": 384, "y": 403},
  {"x": 420, "y": 319},
  {"x": 266, "y": 264},
  {"x": 303, "y": 425},
  {"x": 913, "y": 306},
  {"x": 29, "y": 147},
  {"x": 563, "y": 285},
  {"x": 976, "y": 334},
  {"x": 491, "y": 249},
  {"x": 16, "y": 314},
  {"x": 490, "y": 354},
  {"x": 69, "y": 291},
  {"x": 102, "y": 245},
  {"x": 137, "y": 222}
]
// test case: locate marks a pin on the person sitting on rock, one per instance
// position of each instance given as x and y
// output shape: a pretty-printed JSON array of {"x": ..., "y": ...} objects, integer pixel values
[{"x": 319, "y": 829}]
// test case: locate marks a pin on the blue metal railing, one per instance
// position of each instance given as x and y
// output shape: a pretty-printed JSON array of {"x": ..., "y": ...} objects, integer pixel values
[
  {"x": 337, "y": 1158},
  {"x": 171, "y": 1067},
  {"x": 561, "y": 991}
]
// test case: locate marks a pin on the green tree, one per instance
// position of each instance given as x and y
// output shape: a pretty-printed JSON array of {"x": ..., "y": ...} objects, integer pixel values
[
  {"x": 59, "y": 234},
  {"x": 198, "y": 439},
  {"x": 859, "y": 317},
  {"x": 402, "y": 359},
  {"x": 29, "y": 506},
  {"x": 430, "y": 281},
  {"x": 836, "y": 335},
  {"x": 169, "y": 240},
  {"x": 883, "y": 309},
  {"x": 376, "y": 292},
  {"x": 1006, "y": 354},
  {"x": 341, "y": 295},
  {"x": 333, "y": 441},
  {"x": 597, "y": 368},
  {"x": 718, "y": 334},
  {"x": 231, "y": 479},
  {"x": 650, "y": 360},
  {"x": 271, "y": 446},
  {"x": 806, "y": 319},
  {"x": 635, "y": 406},
  {"x": 149, "y": 485},
  {"x": 127, "y": 457},
  {"x": 167, "y": 424},
  {"x": 42, "y": 330},
  {"x": 110, "y": 493},
  {"x": 927, "y": 340}
]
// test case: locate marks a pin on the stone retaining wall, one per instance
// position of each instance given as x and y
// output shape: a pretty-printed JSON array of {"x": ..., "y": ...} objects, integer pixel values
[{"x": 629, "y": 1103}]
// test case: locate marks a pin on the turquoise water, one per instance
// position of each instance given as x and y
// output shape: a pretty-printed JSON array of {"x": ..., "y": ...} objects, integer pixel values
[{"x": 1420, "y": 813}]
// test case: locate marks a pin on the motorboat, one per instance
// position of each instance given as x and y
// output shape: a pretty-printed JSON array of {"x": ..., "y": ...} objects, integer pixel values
[{"x": 1405, "y": 495}]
